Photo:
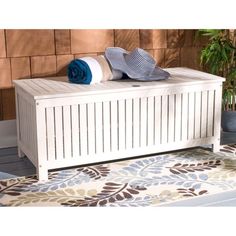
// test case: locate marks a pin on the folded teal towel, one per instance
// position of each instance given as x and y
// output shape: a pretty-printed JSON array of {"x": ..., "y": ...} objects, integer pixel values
[{"x": 79, "y": 72}]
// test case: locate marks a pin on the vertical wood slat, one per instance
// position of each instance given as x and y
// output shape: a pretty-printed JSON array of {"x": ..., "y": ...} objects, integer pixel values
[
  {"x": 26, "y": 123},
  {"x": 50, "y": 133},
  {"x": 29, "y": 120},
  {"x": 178, "y": 117},
  {"x": 136, "y": 131},
  {"x": 106, "y": 127},
  {"x": 157, "y": 121},
  {"x": 143, "y": 121},
  {"x": 184, "y": 129},
  {"x": 83, "y": 129},
  {"x": 190, "y": 115},
  {"x": 67, "y": 131},
  {"x": 217, "y": 111},
  {"x": 21, "y": 108},
  {"x": 22, "y": 120},
  {"x": 129, "y": 123},
  {"x": 150, "y": 121},
  {"x": 204, "y": 114},
  {"x": 75, "y": 131},
  {"x": 29, "y": 115},
  {"x": 41, "y": 136},
  {"x": 113, "y": 111},
  {"x": 32, "y": 128},
  {"x": 210, "y": 113},
  {"x": 99, "y": 128},
  {"x": 17, "y": 119},
  {"x": 91, "y": 129},
  {"x": 197, "y": 113},
  {"x": 41, "y": 167},
  {"x": 171, "y": 117},
  {"x": 164, "y": 111},
  {"x": 59, "y": 133},
  {"x": 121, "y": 126}
]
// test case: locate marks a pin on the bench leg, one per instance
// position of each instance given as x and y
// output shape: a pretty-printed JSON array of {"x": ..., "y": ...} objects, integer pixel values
[
  {"x": 42, "y": 174},
  {"x": 216, "y": 147},
  {"x": 20, "y": 153}
]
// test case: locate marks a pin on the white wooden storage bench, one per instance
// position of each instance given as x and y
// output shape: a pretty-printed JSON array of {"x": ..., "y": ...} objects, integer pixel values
[{"x": 61, "y": 124}]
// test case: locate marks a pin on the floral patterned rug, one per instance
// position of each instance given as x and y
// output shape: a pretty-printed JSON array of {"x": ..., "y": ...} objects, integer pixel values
[{"x": 145, "y": 181}]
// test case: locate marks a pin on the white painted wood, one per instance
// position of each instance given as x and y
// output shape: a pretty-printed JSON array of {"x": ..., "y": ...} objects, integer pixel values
[
  {"x": 216, "y": 146},
  {"x": 150, "y": 121},
  {"x": 59, "y": 133},
  {"x": 121, "y": 124},
  {"x": 143, "y": 122},
  {"x": 66, "y": 131},
  {"x": 204, "y": 114},
  {"x": 177, "y": 119},
  {"x": 27, "y": 86},
  {"x": 107, "y": 126},
  {"x": 75, "y": 131},
  {"x": 99, "y": 128},
  {"x": 26, "y": 122},
  {"x": 210, "y": 113},
  {"x": 44, "y": 87},
  {"x": 20, "y": 153},
  {"x": 171, "y": 118},
  {"x": 130, "y": 153},
  {"x": 136, "y": 126},
  {"x": 191, "y": 116},
  {"x": 164, "y": 119},
  {"x": 113, "y": 112},
  {"x": 32, "y": 130},
  {"x": 217, "y": 118},
  {"x": 91, "y": 129},
  {"x": 62, "y": 124},
  {"x": 23, "y": 121},
  {"x": 42, "y": 173},
  {"x": 129, "y": 123},
  {"x": 191, "y": 74},
  {"x": 29, "y": 153},
  {"x": 36, "y": 85},
  {"x": 184, "y": 114},
  {"x": 79, "y": 98},
  {"x": 157, "y": 122},
  {"x": 83, "y": 130},
  {"x": 180, "y": 77},
  {"x": 197, "y": 114},
  {"x": 50, "y": 133},
  {"x": 41, "y": 143}
]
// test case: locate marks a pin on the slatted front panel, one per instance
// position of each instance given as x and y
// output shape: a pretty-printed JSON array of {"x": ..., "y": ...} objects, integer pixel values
[{"x": 111, "y": 126}]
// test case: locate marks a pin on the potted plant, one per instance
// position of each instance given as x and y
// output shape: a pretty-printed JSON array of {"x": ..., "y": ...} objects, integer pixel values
[{"x": 219, "y": 57}]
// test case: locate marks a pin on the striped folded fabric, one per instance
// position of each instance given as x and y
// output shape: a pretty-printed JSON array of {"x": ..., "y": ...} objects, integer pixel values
[{"x": 91, "y": 70}]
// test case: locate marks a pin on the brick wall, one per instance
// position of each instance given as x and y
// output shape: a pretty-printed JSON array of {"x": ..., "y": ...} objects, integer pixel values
[{"x": 40, "y": 53}]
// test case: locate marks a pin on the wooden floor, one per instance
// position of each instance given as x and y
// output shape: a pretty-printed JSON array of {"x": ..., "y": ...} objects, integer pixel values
[{"x": 12, "y": 166}]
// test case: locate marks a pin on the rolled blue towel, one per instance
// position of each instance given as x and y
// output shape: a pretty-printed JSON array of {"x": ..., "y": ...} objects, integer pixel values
[{"x": 79, "y": 72}]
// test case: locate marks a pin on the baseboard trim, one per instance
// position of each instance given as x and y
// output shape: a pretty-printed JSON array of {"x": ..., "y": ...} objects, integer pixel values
[{"x": 8, "y": 134}]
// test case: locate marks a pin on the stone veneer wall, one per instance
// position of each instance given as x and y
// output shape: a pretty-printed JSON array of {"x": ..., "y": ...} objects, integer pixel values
[{"x": 41, "y": 53}]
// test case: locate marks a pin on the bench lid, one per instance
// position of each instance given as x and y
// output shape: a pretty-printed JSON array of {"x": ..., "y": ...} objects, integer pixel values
[{"x": 53, "y": 87}]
